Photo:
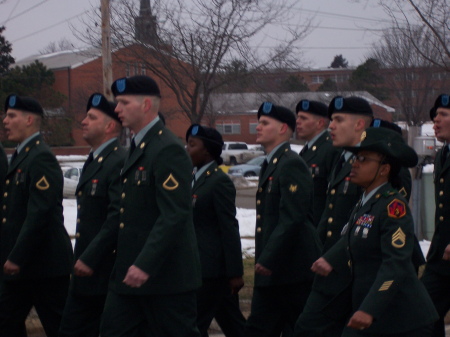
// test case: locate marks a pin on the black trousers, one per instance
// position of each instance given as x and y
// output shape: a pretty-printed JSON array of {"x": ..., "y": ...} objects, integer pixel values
[
  {"x": 214, "y": 300},
  {"x": 420, "y": 332},
  {"x": 275, "y": 309},
  {"x": 81, "y": 316},
  {"x": 168, "y": 315},
  {"x": 438, "y": 287},
  {"x": 47, "y": 295}
]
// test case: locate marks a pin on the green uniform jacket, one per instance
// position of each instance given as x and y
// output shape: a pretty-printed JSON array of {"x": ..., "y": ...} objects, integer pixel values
[
  {"x": 379, "y": 243},
  {"x": 320, "y": 158},
  {"x": 155, "y": 230},
  {"x": 342, "y": 196},
  {"x": 33, "y": 235},
  {"x": 98, "y": 199},
  {"x": 286, "y": 240},
  {"x": 441, "y": 237},
  {"x": 216, "y": 226},
  {"x": 3, "y": 166}
]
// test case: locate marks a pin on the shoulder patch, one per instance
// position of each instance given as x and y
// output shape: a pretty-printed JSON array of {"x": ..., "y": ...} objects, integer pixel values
[
  {"x": 171, "y": 183},
  {"x": 42, "y": 184},
  {"x": 398, "y": 238},
  {"x": 396, "y": 209},
  {"x": 403, "y": 192}
]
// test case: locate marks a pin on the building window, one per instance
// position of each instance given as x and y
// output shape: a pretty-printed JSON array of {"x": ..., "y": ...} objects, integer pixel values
[
  {"x": 252, "y": 128},
  {"x": 229, "y": 127},
  {"x": 136, "y": 69},
  {"x": 127, "y": 70},
  {"x": 143, "y": 69},
  {"x": 317, "y": 79}
]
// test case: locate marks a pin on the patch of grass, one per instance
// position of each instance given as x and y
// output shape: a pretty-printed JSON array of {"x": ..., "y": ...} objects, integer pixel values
[{"x": 249, "y": 269}]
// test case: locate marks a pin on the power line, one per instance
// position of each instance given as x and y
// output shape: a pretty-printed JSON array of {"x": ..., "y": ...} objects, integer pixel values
[{"x": 21, "y": 13}]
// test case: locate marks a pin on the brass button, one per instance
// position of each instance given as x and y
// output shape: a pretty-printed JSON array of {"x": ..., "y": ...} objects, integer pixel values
[
  {"x": 78, "y": 207},
  {"x": 330, "y": 220},
  {"x": 122, "y": 225},
  {"x": 333, "y": 192},
  {"x": 78, "y": 220},
  {"x": 258, "y": 230},
  {"x": 4, "y": 220},
  {"x": 80, "y": 194},
  {"x": 349, "y": 263},
  {"x": 258, "y": 202},
  {"x": 330, "y": 206},
  {"x": 329, "y": 234},
  {"x": 122, "y": 210},
  {"x": 77, "y": 235},
  {"x": 5, "y": 194},
  {"x": 441, "y": 218},
  {"x": 441, "y": 205},
  {"x": 441, "y": 180},
  {"x": 125, "y": 180},
  {"x": 4, "y": 207},
  {"x": 441, "y": 193},
  {"x": 123, "y": 195},
  {"x": 139, "y": 182},
  {"x": 260, "y": 189},
  {"x": 7, "y": 181},
  {"x": 258, "y": 216}
]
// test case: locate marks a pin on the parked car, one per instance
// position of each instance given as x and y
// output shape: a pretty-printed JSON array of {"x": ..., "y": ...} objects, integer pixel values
[
  {"x": 71, "y": 176},
  {"x": 249, "y": 169},
  {"x": 234, "y": 153}
]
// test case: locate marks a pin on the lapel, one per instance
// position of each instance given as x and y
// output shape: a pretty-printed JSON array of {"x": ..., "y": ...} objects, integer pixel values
[
  {"x": 96, "y": 165},
  {"x": 345, "y": 171},
  {"x": 24, "y": 153},
  {"x": 313, "y": 150},
  {"x": 441, "y": 168},
  {"x": 138, "y": 152},
  {"x": 205, "y": 175},
  {"x": 273, "y": 163}
]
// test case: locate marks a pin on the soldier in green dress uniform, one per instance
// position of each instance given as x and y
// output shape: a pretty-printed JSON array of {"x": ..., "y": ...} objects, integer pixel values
[
  {"x": 436, "y": 276},
  {"x": 286, "y": 240},
  {"x": 217, "y": 231},
  {"x": 157, "y": 270},
  {"x": 98, "y": 198},
  {"x": 35, "y": 249},
  {"x": 319, "y": 153},
  {"x": 385, "y": 296}
]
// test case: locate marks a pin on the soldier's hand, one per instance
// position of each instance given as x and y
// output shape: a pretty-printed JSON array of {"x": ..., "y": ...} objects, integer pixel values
[
  {"x": 446, "y": 255},
  {"x": 360, "y": 320},
  {"x": 236, "y": 283},
  {"x": 135, "y": 277},
  {"x": 261, "y": 270},
  {"x": 321, "y": 267},
  {"x": 82, "y": 269},
  {"x": 10, "y": 268}
]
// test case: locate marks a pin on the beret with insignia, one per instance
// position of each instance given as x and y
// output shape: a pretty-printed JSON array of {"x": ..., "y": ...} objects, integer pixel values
[
  {"x": 443, "y": 101},
  {"x": 381, "y": 123},
  {"x": 313, "y": 107},
  {"x": 99, "y": 102},
  {"x": 277, "y": 112},
  {"x": 26, "y": 104},
  {"x": 135, "y": 85},
  {"x": 350, "y": 105},
  {"x": 212, "y": 140}
]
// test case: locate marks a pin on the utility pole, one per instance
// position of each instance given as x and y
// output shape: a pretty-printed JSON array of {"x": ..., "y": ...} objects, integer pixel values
[{"x": 106, "y": 49}]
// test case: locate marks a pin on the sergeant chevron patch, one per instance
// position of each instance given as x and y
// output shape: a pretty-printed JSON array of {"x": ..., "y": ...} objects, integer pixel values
[{"x": 398, "y": 238}]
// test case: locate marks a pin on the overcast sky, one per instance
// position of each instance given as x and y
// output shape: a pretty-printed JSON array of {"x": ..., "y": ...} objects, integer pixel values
[{"x": 346, "y": 27}]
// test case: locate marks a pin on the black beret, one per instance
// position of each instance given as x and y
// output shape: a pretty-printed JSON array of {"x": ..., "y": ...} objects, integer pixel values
[
  {"x": 24, "y": 104},
  {"x": 280, "y": 113},
  {"x": 381, "y": 123},
  {"x": 443, "y": 101},
  {"x": 389, "y": 143},
  {"x": 313, "y": 107},
  {"x": 212, "y": 139},
  {"x": 135, "y": 85},
  {"x": 99, "y": 102},
  {"x": 352, "y": 105}
]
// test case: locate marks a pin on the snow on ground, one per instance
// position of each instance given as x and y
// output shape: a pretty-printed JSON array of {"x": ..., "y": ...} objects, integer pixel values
[{"x": 246, "y": 218}]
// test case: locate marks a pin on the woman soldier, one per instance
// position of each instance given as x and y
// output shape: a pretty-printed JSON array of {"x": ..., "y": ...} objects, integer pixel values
[
  {"x": 385, "y": 295},
  {"x": 217, "y": 231}
]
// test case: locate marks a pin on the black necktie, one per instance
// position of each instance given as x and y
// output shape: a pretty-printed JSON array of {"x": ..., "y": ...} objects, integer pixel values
[
  {"x": 339, "y": 165},
  {"x": 132, "y": 146},
  {"x": 263, "y": 167},
  {"x": 13, "y": 157},
  {"x": 89, "y": 160},
  {"x": 444, "y": 154},
  {"x": 303, "y": 150}
]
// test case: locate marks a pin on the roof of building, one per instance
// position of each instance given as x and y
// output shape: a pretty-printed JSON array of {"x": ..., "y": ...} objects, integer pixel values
[
  {"x": 239, "y": 103},
  {"x": 63, "y": 59}
]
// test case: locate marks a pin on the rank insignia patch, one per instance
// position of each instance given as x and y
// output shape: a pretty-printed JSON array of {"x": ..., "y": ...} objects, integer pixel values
[
  {"x": 398, "y": 238},
  {"x": 171, "y": 183},
  {"x": 42, "y": 184},
  {"x": 396, "y": 209},
  {"x": 386, "y": 285},
  {"x": 293, "y": 188}
]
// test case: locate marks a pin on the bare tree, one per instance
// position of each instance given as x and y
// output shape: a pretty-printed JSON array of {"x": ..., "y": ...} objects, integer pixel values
[
  {"x": 433, "y": 16},
  {"x": 192, "y": 43},
  {"x": 53, "y": 47},
  {"x": 411, "y": 73}
]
